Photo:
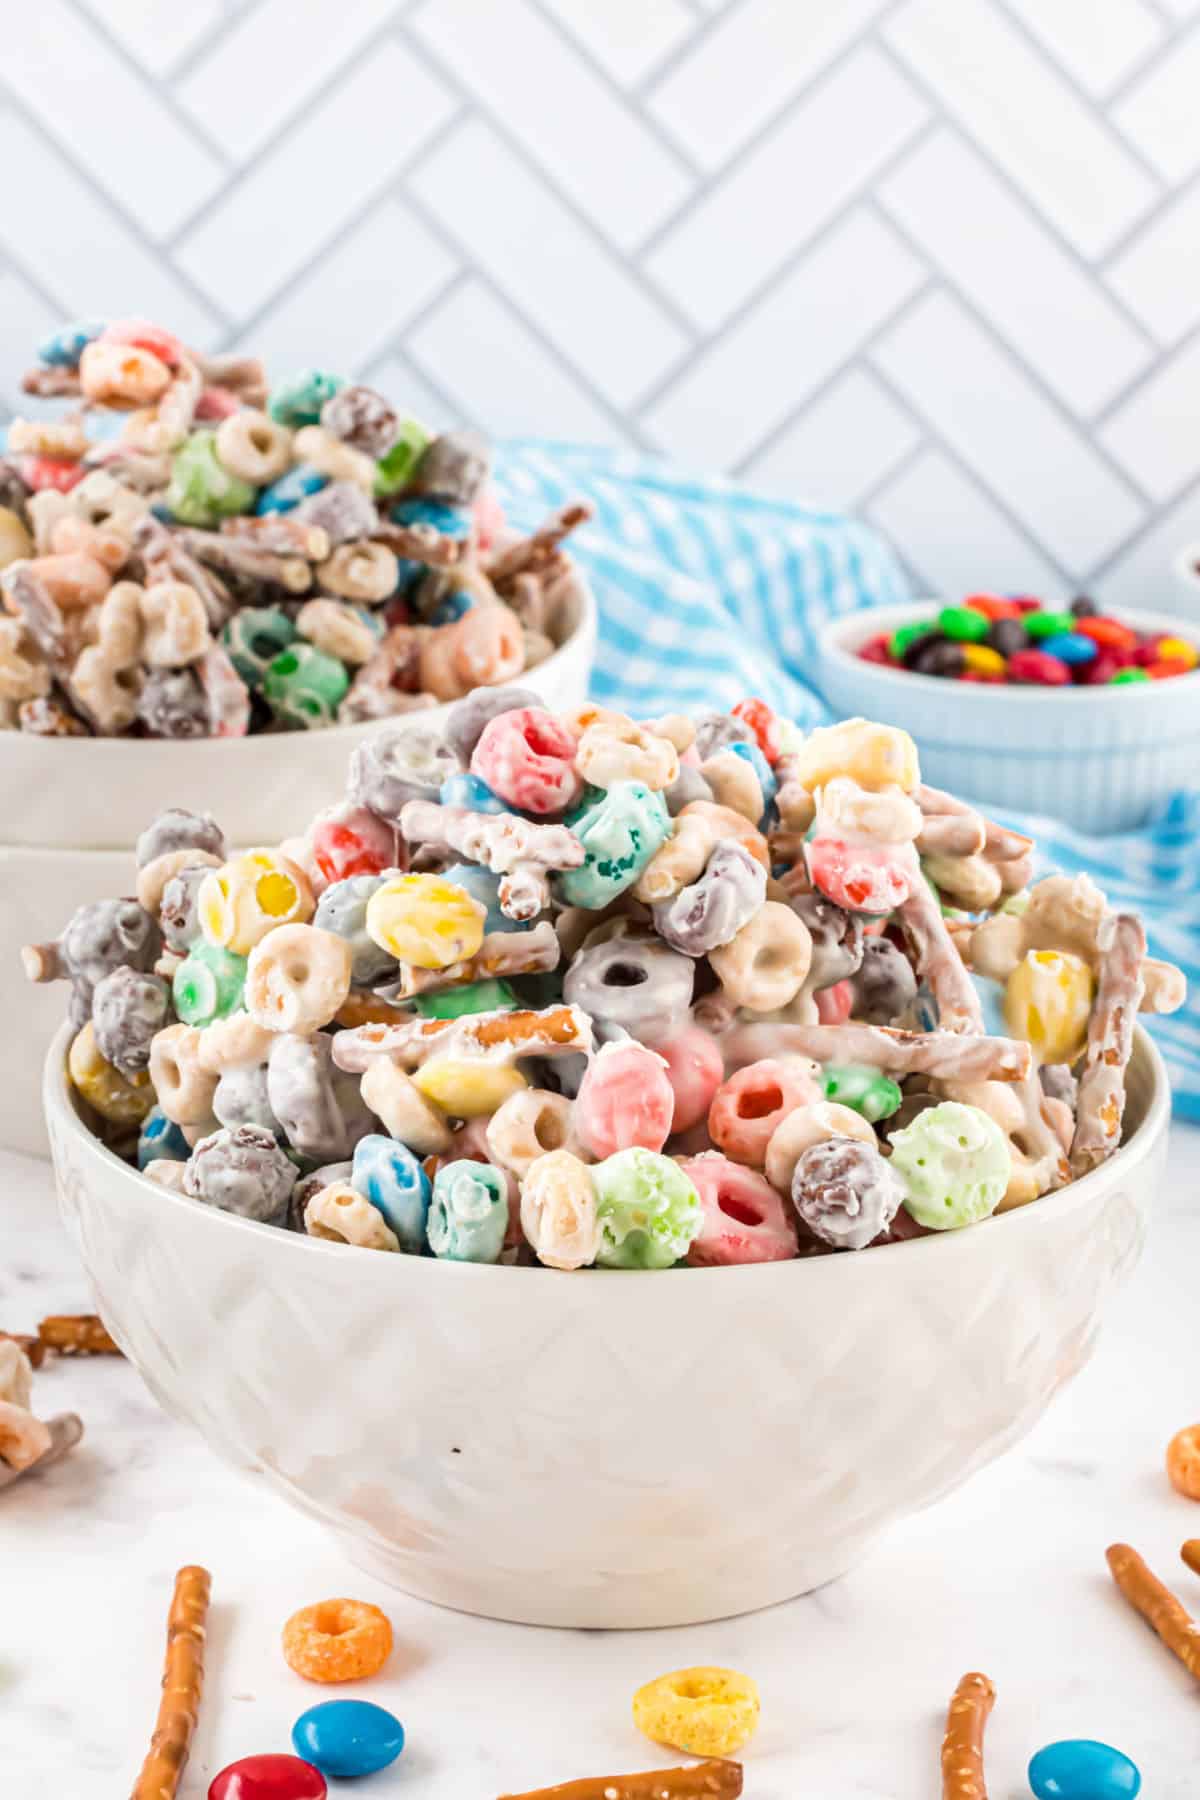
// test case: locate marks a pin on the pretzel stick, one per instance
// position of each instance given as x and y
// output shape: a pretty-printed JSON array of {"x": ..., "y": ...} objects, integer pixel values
[
  {"x": 233, "y": 556},
  {"x": 938, "y": 962},
  {"x": 539, "y": 548},
  {"x": 962, "y": 1746},
  {"x": 1005, "y": 845},
  {"x": 280, "y": 533},
  {"x": 33, "y": 1347},
  {"x": 423, "y": 543},
  {"x": 950, "y": 834},
  {"x": 953, "y": 1056},
  {"x": 183, "y": 1679},
  {"x": 700, "y": 1781},
  {"x": 500, "y": 841},
  {"x": 497, "y": 1037},
  {"x": 76, "y": 1334},
  {"x": 1190, "y": 1553},
  {"x": 65, "y": 1431},
  {"x": 50, "y": 384},
  {"x": 1101, "y": 1103},
  {"x": 501, "y": 953},
  {"x": 243, "y": 376},
  {"x": 1157, "y": 1604},
  {"x": 161, "y": 552}
]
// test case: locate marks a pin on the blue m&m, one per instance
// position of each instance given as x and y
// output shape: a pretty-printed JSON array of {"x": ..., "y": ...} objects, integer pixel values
[
  {"x": 346, "y": 1738},
  {"x": 1081, "y": 1769}
]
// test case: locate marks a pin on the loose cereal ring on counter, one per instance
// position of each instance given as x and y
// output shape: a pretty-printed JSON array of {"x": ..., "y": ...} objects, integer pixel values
[
  {"x": 506, "y": 1006},
  {"x": 186, "y": 553}
]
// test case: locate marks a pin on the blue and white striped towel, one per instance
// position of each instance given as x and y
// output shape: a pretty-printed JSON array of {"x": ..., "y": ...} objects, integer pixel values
[{"x": 708, "y": 592}]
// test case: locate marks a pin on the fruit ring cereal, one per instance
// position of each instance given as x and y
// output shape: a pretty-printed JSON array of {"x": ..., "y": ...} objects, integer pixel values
[
  {"x": 706, "y": 1712},
  {"x": 626, "y": 1032},
  {"x": 1183, "y": 1462},
  {"x": 337, "y": 1640}
]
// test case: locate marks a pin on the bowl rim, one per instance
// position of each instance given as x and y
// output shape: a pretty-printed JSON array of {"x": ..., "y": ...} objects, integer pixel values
[
  {"x": 62, "y": 1115},
  {"x": 840, "y": 637},
  {"x": 111, "y": 749}
]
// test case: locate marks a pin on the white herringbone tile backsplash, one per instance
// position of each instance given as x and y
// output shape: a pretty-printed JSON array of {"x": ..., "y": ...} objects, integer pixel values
[{"x": 934, "y": 260}]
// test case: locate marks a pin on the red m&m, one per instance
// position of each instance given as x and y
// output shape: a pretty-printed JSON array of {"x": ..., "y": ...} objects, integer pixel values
[{"x": 271, "y": 1777}]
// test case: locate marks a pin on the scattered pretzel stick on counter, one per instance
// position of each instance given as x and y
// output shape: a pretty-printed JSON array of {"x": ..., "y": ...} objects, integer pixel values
[
  {"x": 76, "y": 1334},
  {"x": 1157, "y": 1604},
  {"x": 713, "y": 1780},
  {"x": 1190, "y": 1553},
  {"x": 962, "y": 1746},
  {"x": 183, "y": 1680},
  {"x": 33, "y": 1347}
]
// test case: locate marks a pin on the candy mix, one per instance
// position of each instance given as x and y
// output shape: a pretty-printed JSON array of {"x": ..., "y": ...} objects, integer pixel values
[
  {"x": 997, "y": 640},
  {"x": 587, "y": 991},
  {"x": 233, "y": 559},
  {"x": 584, "y": 990}
]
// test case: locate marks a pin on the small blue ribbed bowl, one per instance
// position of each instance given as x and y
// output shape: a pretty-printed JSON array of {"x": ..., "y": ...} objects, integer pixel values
[{"x": 1101, "y": 758}]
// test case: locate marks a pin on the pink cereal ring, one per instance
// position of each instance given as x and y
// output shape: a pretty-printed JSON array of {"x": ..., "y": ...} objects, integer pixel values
[
  {"x": 528, "y": 758},
  {"x": 163, "y": 344},
  {"x": 625, "y": 1098},
  {"x": 488, "y": 516},
  {"x": 834, "y": 1003},
  {"x": 695, "y": 1069},
  {"x": 349, "y": 840},
  {"x": 750, "y": 1106},
  {"x": 744, "y": 1219},
  {"x": 857, "y": 876},
  {"x": 43, "y": 472},
  {"x": 216, "y": 403},
  {"x": 768, "y": 734}
]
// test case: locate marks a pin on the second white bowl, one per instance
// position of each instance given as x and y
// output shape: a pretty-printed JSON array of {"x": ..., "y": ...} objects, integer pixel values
[
  {"x": 1099, "y": 758},
  {"x": 607, "y": 1448}
]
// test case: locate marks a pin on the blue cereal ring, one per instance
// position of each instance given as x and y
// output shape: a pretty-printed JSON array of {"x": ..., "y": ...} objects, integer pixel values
[
  {"x": 298, "y": 400},
  {"x": 469, "y": 791},
  {"x": 451, "y": 521},
  {"x": 291, "y": 489},
  {"x": 766, "y": 775},
  {"x": 1070, "y": 647},
  {"x": 63, "y": 348},
  {"x": 619, "y": 832},
  {"x": 160, "y": 1139},
  {"x": 483, "y": 886},
  {"x": 468, "y": 1212},
  {"x": 451, "y": 609},
  {"x": 392, "y": 1179}
]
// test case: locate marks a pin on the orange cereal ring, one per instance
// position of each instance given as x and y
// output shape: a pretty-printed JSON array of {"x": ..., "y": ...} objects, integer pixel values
[
  {"x": 337, "y": 1640},
  {"x": 1183, "y": 1461}
]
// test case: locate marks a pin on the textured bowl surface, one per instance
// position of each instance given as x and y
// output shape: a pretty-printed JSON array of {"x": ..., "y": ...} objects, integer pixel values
[
  {"x": 99, "y": 793},
  {"x": 1100, "y": 758},
  {"x": 59, "y": 799},
  {"x": 606, "y": 1449}
]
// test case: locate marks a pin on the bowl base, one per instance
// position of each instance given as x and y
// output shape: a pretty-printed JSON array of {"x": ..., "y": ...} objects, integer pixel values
[{"x": 620, "y": 1603}]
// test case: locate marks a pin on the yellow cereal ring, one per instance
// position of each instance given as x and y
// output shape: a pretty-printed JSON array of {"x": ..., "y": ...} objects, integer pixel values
[
  {"x": 704, "y": 1712},
  {"x": 1048, "y": 1001},
  {"x": 876, "y": 756},
  {"x": 424, "y": 920},
  {"x": 239, "y": 903},
  {"x": 114, "y": 1097},
  {"x": 467, "y": 1090}
]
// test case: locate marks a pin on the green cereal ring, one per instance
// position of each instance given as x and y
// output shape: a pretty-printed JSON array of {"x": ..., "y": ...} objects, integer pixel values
[
  {"x": 647, "y": 1209},
  {"x": 201, "y": 490},
  {"x": 298, "y": 400},
  {"x": 474, "y": 997},
  {"x": 907, "y": 634},
  {"x": 620, "y": 832},
  {"x": 963, "y": 624},
  {"x": 866, "y": 1091},
  {"x": 254, "y": 637},
  {"x": 955, "y": 1162},
  {"x": 1047, "y": 624},
  {"x": 304, "y": 686},
  {"x": 208, "y": 984},
  {"x": 394, "y": 468}
]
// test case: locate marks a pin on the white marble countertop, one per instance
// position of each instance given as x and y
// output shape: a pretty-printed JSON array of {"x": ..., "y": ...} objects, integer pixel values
[{"x": 1007, "y": 1576}]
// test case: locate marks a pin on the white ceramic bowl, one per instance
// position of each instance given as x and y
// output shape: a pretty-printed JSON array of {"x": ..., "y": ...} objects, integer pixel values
[
  {"x": 72, "y": 808},
  {"x": 604, "y": 1448},
  {"x": 1100, "y": 758}
]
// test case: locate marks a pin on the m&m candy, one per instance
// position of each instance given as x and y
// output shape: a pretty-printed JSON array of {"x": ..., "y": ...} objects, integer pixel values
[{"x": 268, "y": 1778}]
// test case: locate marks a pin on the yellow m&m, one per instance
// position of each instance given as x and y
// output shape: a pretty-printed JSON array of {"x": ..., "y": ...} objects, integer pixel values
[{"x": 424, "y": 920}]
